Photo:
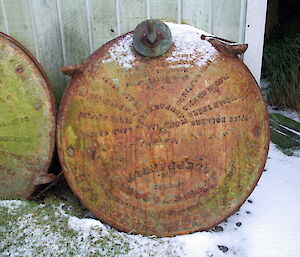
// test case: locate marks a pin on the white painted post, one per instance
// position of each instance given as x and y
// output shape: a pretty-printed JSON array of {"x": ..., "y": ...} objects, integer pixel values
[{"x": 254, "y": 35}]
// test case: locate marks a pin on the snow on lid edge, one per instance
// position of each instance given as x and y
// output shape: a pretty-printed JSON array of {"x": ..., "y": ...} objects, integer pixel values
[{"x": 188, "y": 50}]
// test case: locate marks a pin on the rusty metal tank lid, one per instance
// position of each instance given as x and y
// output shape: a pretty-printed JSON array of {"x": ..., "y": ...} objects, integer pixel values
[
  {"x": 165, "y": 145},
  {"x": 27, "y": 121}
]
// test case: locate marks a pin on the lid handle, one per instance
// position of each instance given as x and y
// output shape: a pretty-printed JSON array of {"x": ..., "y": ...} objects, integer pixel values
[{"x": 225, "y": 46}]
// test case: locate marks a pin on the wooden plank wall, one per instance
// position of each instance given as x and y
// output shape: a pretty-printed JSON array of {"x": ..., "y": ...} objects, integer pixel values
[{"x": 65, "y": 32}]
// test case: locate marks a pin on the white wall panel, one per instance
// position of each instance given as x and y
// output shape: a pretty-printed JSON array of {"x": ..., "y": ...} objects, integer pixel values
[
  {"x": 226, "y": 19},
  {"x": 164, "y": 10},
  {"x": 132, "y": 12},
  {"x": 196, "y": 13},
  {"x": 49, "y": 42},
  {"x": 19, "y": 23},
  {"x": 254, "y": 35},
  {"x": 75, "y": 31}
]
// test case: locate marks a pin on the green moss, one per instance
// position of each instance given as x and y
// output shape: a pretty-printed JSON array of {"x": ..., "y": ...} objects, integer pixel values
[{"x": 25, "y": 120}]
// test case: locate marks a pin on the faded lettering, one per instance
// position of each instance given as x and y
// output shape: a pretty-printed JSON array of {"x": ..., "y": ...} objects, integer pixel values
[
  {"x": 214, "y": 105},
  {"x": 15, "y": 139},
  {"x": 14, "y": 121}
]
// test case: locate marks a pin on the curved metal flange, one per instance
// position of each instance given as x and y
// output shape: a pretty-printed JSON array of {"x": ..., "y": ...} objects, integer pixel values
[{"x": 226, "y": 46}]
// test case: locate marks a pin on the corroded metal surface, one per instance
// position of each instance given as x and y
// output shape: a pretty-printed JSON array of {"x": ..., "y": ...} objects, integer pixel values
[
  {"x": 166, "y": 145},
  {"x": 27, "y": 122},
  {"x": 152, "y": 38}
]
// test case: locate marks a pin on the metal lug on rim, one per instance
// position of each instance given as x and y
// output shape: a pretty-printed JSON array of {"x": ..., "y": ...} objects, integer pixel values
[
  {"x": 226, "y": 46},
  {"x": 72, "y": 70},
  {"x": 152, "y": 38}
]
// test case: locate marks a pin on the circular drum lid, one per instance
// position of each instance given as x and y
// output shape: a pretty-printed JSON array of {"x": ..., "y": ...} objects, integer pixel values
[
  {"x": 166, "y": 145},
  {"x": 27, "y": 122}
]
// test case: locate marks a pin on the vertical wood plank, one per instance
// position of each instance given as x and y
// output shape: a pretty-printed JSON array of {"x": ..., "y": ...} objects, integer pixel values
[
  {"x": 210, "y": 16},
  {"x": 132, "y": 12},
  {"x": 226, "y": 19},
  {"x": 3, "y": 22},
  {"x": 179, "y": 11},
  {"x": 166, "y": 10},
  {"x": 89, "y": 21},
  {"x": 196, "y": 13},
  {"x": 242, "y": 26},
  {"x": 75, "y": 28},
  {"x": 104, "y": 22},
  {"x": 45, "y": 14},
  {"x": 19, "y": 23},
  {"x": 148, "y": 9}
]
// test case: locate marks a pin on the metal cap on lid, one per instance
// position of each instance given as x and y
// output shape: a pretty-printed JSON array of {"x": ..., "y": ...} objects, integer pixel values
[{"x": 152, "y": 38}]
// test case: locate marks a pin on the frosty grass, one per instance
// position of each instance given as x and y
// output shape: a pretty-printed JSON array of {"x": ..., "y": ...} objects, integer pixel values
[{"x": 51, "y": 229}]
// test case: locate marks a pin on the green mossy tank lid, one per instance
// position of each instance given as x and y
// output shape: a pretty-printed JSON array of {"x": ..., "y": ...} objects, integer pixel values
[{"x": 27, "y": 121}]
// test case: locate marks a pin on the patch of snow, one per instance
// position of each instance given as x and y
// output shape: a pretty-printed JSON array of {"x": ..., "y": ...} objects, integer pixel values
[
  {"x": 264, "y": 84},
  {"x": 12, "y": 205},
  {"x": 122, "y": 52},
  {"x": 288, "y": 113},
  {"x": 85, "y": 225},
  {"x": 139, "y": 245},
  {"x": 277, "y": 212},
  {"x": 189, "y": 49},
  {"x": 50, "y": 231},
  {"x": 269, "y": 222}
]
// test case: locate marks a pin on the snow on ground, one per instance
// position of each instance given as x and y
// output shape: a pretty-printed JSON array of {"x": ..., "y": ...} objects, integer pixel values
[
  {"x": 12, "y": 205},
  {"x": 267, "y": 225},
  {"x": 288, "y": 113},
  {"x": 48, "y": 230}
]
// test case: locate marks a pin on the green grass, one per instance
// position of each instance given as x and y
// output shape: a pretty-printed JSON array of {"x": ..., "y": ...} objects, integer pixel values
[{"x": 281, "y": 64}]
